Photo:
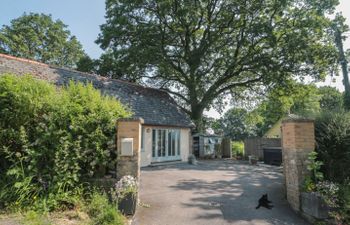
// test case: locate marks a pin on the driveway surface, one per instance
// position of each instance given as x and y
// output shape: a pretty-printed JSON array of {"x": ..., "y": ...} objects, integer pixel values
[{"x": 210, "y": 193}]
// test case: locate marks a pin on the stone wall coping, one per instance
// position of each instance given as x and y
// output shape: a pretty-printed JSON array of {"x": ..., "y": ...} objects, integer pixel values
[{"x": 139, "y": 119}]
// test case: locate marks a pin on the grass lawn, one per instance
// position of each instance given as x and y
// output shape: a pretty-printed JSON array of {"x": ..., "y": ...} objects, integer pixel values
[{"x": 72, "y": 217}]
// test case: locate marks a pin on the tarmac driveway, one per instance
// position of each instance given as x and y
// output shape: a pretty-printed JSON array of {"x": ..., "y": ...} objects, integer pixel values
[{"x": 213, "y": 192}]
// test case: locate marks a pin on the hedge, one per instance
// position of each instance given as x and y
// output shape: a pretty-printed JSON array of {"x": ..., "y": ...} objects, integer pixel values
[{"x": 52, "y": 138}]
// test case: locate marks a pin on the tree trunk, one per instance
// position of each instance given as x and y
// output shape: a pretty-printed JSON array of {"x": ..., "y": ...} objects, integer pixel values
[
  {"x": 344, "y": 66},
  {"x": 197, "y": 118}
]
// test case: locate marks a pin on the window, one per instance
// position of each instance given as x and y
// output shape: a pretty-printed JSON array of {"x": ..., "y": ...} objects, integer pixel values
[{"x": 166, "y": 143}]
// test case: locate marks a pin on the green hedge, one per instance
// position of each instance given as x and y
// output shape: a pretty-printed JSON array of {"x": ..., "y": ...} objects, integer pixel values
[
  {"x": 51, "y": 138},
  {"x": 332, "y": 130}
]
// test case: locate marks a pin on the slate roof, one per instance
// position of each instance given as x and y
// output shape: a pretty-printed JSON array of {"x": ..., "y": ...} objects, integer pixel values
[{"x": 155, "y": 106}]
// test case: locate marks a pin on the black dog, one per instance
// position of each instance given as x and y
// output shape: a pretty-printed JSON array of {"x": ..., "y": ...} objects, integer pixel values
[{"x": 264, "y": 202}]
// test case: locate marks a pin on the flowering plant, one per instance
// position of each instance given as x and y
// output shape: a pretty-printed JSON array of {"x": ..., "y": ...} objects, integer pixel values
[
  {"x": 126, "y": 185},
  {"x": 329, "y": 191}
]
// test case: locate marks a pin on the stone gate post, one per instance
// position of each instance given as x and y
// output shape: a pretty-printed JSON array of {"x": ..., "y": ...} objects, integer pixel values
[
  {"x": 298, "y": 140},
  {"x": 128, "y": 141}
]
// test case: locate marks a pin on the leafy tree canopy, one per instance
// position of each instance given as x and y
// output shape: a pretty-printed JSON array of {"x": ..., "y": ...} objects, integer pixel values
[
  {"x": 331, "y": 99},
  {"x": 38, "y": 37},
  {"x": 238, "y": 124},
  {"x": 199, "y": 51},
  {"x": 87, "y": 64},
  {"x": 296, "y": 98}
]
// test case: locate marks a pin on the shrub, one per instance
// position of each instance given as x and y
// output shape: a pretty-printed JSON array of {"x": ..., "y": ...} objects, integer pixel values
[
  {"x": 51, "y": 139},
  {"x": 102, "y": 212},
  {"x": 343, "y": 214},
  {"x": 237, "y": 148},
  {"x": 332, "y": 130}
]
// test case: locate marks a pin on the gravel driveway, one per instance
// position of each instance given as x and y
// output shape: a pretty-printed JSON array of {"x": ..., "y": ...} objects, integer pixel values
[{"x": 213, "y": 192}]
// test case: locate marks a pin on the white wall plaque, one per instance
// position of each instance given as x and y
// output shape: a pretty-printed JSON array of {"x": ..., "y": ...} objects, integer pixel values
[{"x": 127, "y": 147}]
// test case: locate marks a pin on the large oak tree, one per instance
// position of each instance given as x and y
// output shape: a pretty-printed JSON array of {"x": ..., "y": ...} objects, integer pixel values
[{"x": 201, "y": 50}]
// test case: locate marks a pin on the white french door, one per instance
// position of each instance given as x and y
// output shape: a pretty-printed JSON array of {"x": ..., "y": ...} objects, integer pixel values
[{"x": 165, "y": 145}]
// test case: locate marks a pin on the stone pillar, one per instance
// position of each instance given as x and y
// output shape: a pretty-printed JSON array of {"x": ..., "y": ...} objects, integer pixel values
[
  {"x": 129, "y": 164},
  {"x": 298, "y": 140}
]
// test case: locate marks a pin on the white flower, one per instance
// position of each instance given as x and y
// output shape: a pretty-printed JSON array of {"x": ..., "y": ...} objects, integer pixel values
[{"x": 126, "y": 184}]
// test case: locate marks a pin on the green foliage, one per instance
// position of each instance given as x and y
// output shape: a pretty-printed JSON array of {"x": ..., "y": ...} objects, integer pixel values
[
  {"x": 200, "y": 51},
  {"x": 331, "y": 99},
  {"x": 314, "y": 167},
  {"x": 38, "y": 37},
  {"x": 237, "y": 148},
  {"x": 329, "y": 191},
  {"x": 293, "y": 97},
  {"x": 309, "y": 185},
  {"x": 86, "y": 64},
  {"x": 102, "y": 212},
  {"x": 52, "y": 139},
  {"x": 343, "y": 213},
  {"x": 316, "y": 176},
  {"x": 238, "y": 124},
  {"x": 332, "y": 130}
]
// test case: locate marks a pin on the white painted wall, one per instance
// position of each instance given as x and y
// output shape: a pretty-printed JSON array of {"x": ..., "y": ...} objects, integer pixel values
[{"x": 146, "y": 153}]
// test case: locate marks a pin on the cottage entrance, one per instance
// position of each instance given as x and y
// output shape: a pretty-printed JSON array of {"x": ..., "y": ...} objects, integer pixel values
[{"x": 165, "y": 145}]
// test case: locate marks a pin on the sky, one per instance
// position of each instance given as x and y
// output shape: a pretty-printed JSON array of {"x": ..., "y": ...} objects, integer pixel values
[{"x": 84, "y": 18}]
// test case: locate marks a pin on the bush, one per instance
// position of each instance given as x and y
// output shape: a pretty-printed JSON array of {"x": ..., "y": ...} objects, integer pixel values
[
  {"x": 51, "y": 139},
  {"x": 332, "y": 130},
  {"x": 102, "y": 212},
  {"x": 237, "y": 148},
  {"x": 343, "y": 214}
]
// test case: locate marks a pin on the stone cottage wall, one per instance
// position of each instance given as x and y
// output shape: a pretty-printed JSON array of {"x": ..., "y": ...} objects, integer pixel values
[{"x": 129, "y": 165}]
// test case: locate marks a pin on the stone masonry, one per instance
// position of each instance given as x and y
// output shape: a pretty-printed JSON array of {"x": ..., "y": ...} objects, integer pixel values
[
  {"x": 129, "y": 165},
  {"x": 298, "y": 140}
]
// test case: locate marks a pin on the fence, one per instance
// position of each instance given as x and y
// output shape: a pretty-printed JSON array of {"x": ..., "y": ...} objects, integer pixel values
[{"x": 255, "y": 146}]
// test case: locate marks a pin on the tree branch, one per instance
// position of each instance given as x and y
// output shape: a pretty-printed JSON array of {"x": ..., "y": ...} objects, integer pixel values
[{"x": 176, "y": 94}]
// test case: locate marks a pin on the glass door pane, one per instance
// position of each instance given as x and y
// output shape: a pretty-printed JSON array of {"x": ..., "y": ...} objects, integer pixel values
[
  {"x": 173, "y": 141},
  {"x": 159, "y": 143},
  {"x": 154, "y": 134},
  {"x": 178, "y": 142},
  {"x": 169, "y": 143},
  {"x": 163, "y": 143}
]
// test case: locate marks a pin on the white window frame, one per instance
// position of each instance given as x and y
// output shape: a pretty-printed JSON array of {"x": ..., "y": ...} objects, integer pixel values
[{"x": 155, "y": 147}]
